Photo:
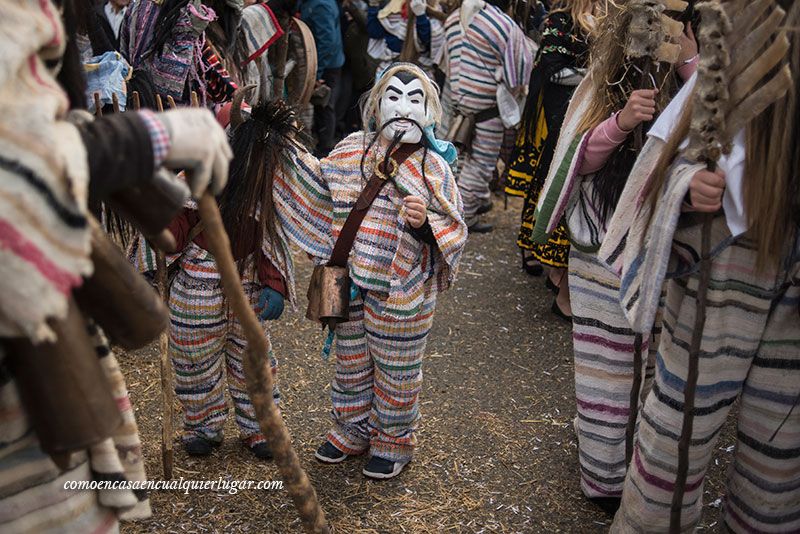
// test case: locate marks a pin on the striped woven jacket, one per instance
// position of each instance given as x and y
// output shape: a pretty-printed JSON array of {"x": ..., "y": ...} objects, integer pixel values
[
  {"x": 492, "y": 50},
  {"x": 313, "y": 199}
]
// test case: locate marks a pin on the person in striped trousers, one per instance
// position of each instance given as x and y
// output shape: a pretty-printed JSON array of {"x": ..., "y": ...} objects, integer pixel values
[
  {"x": 405, "y": 253},
  {"x": 485, "y": 48},
  {"x": 604, "y": 343},
  {"x": 750, "y": 344}
]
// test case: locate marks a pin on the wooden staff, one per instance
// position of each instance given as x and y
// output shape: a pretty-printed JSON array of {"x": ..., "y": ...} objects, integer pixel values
[
  {"x": 736, "y": 81},
  {"x": 281, "y": 52},
  {"x": 115, "y": 102},
  {"x": 647, "y": 44},
  {"x": 257, "y": 373},
  {"x": 167, "y": 389},
  {"x": 98, "y": 106}
]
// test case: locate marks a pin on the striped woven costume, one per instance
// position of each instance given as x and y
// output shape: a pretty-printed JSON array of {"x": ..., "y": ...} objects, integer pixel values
[
  {"x": 603, "y": 339},
  {"x": 603, "y": 344},
  {"x": 491, "y": 51},
  {"x": 44, "y": 254},
  {"x": 206, "y": 340},
  {"x": 750, "y": 349},
  {"x": 379, "y": 351},
  {"x": 204, "y": 337}
]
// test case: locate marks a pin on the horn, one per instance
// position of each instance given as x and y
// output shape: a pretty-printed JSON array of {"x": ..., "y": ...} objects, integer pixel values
[{"x": 236, "y": 105}]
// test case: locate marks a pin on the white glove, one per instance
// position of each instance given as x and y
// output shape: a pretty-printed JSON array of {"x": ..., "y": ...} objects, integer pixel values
[
  {"x": 418, "y": 7},
  {"x": 198, "y": 144}
]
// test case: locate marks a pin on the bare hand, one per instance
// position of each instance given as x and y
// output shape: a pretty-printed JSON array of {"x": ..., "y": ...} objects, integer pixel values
[
  {"x": 641, "y": 107},
  {"x": 688, "y": 45},
  {"x": 706, "y": 190},
  {"x": 416, "y": 211}
]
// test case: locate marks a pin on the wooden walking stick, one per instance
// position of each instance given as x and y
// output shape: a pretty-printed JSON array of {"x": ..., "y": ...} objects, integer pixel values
[
  {"x": 257, "y": 373},
  {"x": 737, "y": 79},
  {"x": 167, "y": 389},
  {"x": 648, "y": 43}
]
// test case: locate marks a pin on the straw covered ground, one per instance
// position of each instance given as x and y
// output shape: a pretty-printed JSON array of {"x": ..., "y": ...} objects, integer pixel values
[{"x": 497, "y": 452}]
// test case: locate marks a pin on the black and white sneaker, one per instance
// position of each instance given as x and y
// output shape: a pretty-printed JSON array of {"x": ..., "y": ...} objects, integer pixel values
[
  {"x": 329, "y": 454},
  {"x": 381, "y": 468}
]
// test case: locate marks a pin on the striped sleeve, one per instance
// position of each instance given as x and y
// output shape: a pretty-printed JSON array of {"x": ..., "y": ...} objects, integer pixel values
[
  {"x": 517, "y": 59},
  {"x": 303, "y": 203}
]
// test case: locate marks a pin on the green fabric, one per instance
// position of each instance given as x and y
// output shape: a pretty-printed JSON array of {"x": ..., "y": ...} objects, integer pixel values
[{"x": 553, "y": 193}]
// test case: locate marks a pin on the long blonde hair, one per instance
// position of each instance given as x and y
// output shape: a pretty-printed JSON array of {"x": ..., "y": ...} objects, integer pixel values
[
  {"x": 584, "y": 13},
  {"x": 772, "y": 164}
]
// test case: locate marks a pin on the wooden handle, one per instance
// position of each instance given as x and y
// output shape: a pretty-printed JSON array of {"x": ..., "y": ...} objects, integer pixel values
[
  {"x": 167, "y": 389},
  {"x": 257, "y": 373}
]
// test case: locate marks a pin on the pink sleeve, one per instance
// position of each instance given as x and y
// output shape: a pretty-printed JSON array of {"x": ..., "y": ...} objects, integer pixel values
[
  {"x": 602, "y": 142},
  {"x": 686, "y": 70}
]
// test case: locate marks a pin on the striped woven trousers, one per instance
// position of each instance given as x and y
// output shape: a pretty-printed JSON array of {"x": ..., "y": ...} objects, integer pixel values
[
  {"x": 603, "y": 344},
  {"x": 378, "y": 378},
  {"x": 205, "y": 339},
  {"x": 750, "y": 349},
  {"x": 478, "y": 167}
]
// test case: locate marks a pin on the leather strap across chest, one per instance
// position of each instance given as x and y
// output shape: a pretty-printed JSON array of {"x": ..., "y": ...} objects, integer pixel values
[{"x": 344, "y": 243}]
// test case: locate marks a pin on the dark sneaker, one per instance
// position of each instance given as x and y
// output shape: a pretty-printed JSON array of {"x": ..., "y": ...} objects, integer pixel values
[
  {"x": 200, "y": 446},
  {"x": 329, "y": 454},
  {"x": 480, "y": 228},
  {"x": 261, "y": 451},
  {"x": 485, "y": 208},
  {"x": 381, "y": 468}
]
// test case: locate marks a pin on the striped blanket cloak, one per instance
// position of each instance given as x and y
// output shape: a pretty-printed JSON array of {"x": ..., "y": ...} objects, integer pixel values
[
  {"x": 314, "y": 197},
  {"x": 396, "y": 278},
  {"x": 491, "y": 51}
]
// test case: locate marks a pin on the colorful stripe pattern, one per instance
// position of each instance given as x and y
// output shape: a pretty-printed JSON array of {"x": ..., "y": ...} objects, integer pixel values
[
  {"x": 604, "y": 345},
  {"x": 375, "y": 392},
  {"x": 32, "y": 494},
  {"x": 205, "y": 337},
  {"x": 180, "y": 61},
  {"x": 313, "y": 199},
  {"x": 44, "y": 235},
  {"x": 492, "y": 50},
  {"x": 478, "y": 167},
  {"x": 750, "y": 350}
]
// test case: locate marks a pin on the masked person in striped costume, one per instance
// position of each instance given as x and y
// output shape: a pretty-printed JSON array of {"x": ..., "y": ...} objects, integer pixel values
[
  {"x": 405, "y": 252},
  {"x": 595, "y": 154},
  {"x": 488, "y": 63},
  {"x": 750, "y": 345}
]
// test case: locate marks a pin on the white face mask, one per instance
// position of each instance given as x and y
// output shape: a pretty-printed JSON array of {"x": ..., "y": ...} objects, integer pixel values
[{"x": 406, "y": 101}]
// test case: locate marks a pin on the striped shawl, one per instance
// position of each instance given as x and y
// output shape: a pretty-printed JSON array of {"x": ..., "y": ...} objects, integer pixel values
[
  {"x": 313, "y": 199},
  {"x": 44, "y": 236}
]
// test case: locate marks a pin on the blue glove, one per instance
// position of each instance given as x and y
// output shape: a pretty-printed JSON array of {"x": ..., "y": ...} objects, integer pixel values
[{"x": 270, "y": 302}]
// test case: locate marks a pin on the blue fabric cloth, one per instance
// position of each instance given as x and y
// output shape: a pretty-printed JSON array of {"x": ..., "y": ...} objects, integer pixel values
[
  {"x": 323, "y": 19},
  {"x": 106, "y": 74},
  {"x": 376, "y": 30},
  {"x": 443, "y": 148},
  {"x": 423, "y": 25}
]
